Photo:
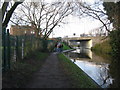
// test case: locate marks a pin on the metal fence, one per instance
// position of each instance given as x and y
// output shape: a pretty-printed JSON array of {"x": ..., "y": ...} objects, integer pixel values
[{"x": 17, "y": 47}]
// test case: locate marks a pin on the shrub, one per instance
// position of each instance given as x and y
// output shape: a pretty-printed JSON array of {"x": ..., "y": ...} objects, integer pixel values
[{"x": 115, "y": 43}]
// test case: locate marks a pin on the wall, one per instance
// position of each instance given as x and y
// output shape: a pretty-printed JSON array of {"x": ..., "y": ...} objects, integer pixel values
[{"x": 21, "y": 30}]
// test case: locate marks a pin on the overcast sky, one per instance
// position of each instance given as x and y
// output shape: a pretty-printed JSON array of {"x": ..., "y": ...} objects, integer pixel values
[{"x": 76, "y": 25}]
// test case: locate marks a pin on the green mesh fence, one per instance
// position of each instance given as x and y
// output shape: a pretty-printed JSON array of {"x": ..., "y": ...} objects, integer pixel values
[{"x": 18, "y": 47}]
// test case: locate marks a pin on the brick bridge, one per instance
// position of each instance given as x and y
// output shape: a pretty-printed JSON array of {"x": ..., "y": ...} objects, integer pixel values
[{"x": 84, "y": 42}]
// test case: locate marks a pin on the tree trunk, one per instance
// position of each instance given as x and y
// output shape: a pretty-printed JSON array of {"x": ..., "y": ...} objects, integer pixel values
[
  {"x": 9, "y": 14},
  {"x": 37, "y": 33}
]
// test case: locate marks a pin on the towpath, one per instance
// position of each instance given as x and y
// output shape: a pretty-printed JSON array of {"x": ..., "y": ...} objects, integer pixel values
[{"x": 50, "y": 75}]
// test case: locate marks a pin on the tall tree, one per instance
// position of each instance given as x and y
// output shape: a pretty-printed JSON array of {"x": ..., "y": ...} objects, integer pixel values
[{"x": 44, "y": 16}]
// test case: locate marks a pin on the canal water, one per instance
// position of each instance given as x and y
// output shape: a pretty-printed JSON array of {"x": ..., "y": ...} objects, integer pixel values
[{"x": 97, "y": 67}]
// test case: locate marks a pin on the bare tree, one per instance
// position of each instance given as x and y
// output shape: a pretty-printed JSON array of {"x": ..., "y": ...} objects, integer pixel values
[
  {"x": 95, "y": 11},
  {"x": 44, "y": 16}
]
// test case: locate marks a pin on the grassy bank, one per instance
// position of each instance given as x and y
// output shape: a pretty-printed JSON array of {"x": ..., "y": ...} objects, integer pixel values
[
  {"x": 103, "y": 48},
  {"x": 65, "y": 47},
  {"x": 22, "y": 70},
  {"x": 79, "y": 78}
]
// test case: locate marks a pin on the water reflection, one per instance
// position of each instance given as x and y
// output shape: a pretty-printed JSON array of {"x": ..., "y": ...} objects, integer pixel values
[
  {"x": 95, "y": 66},
  {"x": 80, "y": 54}
]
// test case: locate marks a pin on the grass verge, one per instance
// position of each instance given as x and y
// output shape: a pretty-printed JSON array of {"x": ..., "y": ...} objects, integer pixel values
[
  {"x": 65, "y": 47},
  {"x": 80, "y": 79},
  {"x": 22, "y": 70},
  {"x": 103, "y": 49}
]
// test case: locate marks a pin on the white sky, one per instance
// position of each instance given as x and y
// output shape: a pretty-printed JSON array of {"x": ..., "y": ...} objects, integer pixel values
[{"x": 76, "y": 25}]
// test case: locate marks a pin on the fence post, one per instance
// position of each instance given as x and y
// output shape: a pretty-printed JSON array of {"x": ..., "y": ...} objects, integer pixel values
[
  {"x": 22, "y": 48},
  {"x": 4, "y": 48},
  {"x": 8, "y": 47}
]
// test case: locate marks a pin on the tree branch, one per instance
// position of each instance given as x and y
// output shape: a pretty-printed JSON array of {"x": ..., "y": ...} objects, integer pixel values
[
  {"x": 9, "y": 13},
  {"x": 4, "y": 8}
]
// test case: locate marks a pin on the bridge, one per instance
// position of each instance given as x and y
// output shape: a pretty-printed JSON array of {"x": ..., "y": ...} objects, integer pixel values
[{"x": 84, "y": 42}]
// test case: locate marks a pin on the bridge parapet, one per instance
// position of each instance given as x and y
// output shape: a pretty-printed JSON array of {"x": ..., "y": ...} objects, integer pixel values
[{"x": 78, "y": 38}]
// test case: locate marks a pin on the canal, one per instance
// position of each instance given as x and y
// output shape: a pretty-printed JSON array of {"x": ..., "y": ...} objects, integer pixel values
[{"x": 101, "y": 69}]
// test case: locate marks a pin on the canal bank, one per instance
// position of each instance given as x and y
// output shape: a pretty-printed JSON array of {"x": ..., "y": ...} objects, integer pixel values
[
  {"x": 104, "y": 47},
  {"x": 102, "y": 70},
  {"x": 78, "y": 76}
]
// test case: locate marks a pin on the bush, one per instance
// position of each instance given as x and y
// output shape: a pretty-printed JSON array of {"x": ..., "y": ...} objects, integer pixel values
[{"x": 115, "y": 43}]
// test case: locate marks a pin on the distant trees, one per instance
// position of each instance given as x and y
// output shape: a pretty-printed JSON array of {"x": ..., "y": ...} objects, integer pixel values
[
  {"x": 43, "y": 16},
  {"x": 97, "y": 32}
]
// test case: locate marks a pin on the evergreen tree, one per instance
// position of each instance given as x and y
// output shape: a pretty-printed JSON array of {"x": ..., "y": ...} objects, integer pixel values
[{"x": 113, "y": 11}]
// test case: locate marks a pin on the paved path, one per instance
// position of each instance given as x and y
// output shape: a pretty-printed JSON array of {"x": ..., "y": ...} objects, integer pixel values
[{"x": 50, "y": 75}]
